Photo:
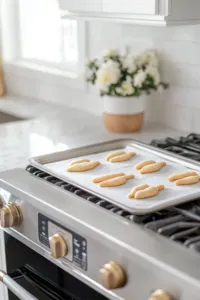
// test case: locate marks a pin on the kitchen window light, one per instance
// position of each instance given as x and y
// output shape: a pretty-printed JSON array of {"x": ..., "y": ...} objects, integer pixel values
[
  {"x": 44, "y": 38},
  {"x": 36, "y": 39}
]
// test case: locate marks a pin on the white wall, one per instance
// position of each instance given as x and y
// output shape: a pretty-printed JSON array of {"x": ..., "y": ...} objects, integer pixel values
[{"x": 179, "y": 50}]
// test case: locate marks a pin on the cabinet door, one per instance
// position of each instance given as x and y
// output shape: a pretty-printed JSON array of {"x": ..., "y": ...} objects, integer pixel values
[
  {"x": 81, "y": 5},
  {"x": 147, "y": 7}
]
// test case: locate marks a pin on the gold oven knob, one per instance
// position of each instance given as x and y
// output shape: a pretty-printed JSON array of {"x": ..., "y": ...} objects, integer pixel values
[
  {"x": 58, "y": 246},
  {"x": 10, "y": 215},
  {"x": 112, "y": 276},
  {"x": 160, "y": 295}
]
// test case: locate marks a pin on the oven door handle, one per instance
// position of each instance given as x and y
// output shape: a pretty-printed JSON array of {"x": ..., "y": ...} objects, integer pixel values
[{"x": 14, "y": 287}]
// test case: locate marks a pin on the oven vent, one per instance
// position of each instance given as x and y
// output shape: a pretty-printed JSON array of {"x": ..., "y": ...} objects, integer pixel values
[{"x": 180, "y": 224}]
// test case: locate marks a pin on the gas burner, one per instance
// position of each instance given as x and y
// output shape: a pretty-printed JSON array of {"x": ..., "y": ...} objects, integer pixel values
[{"x": 188, "y": 146}]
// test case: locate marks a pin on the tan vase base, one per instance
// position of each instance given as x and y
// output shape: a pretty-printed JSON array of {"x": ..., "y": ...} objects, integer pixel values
[{"x": 124, "y": 123}]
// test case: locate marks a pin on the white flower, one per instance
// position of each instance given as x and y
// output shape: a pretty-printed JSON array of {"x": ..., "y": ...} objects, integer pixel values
[
  {"x": 110, "y": 52},
  {"x": 139, "y": 78},
  {"x": 108, "y": 73},
  {"x": 150, "y": 58},
  {"x": 153, "y": 72},
  {"x": 129, "y": 63},
  {"x": 160, "y": 89},
  {"x": 98, "y": 63},
  {"x": 119, "y": 91},
  {"x": 139, "y": 60},
  {"x": 127, "y": 87},
  {"x": 129, "y": 78}
]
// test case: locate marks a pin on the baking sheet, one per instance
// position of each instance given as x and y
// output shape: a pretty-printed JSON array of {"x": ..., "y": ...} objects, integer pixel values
[{"x": 172, "y": 194}]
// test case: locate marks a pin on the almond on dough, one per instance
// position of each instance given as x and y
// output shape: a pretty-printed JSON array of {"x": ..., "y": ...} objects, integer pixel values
[
  {"x": 123, "y": 157},
  {"x": 152, "y": 168},
  {"x": 78, "y": 161},
  {"x": 114, "y": 154},
  {"x": 106, "y": 177},
  {"x": 136, "y": 189},
  {"x": 116, "y": 181},
  {"x": 144, "y": 163},
  {"x": 177, "y": 176},
  {"x": 82, "y": 167},
  {"x": 188, "y": 180}
]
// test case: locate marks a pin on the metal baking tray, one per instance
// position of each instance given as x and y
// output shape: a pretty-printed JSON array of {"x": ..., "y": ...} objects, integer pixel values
[{"x": 56, "y": 164}]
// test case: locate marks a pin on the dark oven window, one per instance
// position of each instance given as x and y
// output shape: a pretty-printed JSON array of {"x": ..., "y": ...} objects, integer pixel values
[{"x": 40, "y": 277}]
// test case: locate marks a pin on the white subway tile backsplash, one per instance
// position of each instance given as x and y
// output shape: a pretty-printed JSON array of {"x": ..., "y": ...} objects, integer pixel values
[
  {"x": 177, "y": 117},
  {"x": 180, "y": 33},
  {"x": 182, "y": 96},
  {"x": 186, "y": 75},
  {"x": 196, "y": 120},
  {"x": 179, "y": 50},
  {"x": 138, "y": 44}
]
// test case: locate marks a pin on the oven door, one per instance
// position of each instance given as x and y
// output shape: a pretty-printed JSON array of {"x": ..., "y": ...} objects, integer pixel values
[{"x": 31, "y": 277}]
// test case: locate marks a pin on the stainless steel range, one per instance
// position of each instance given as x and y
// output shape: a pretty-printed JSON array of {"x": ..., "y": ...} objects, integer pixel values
[{"x": 65, "y": 242}]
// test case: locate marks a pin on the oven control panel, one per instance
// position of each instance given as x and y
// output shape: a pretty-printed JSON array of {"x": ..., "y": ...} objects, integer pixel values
[{"x": 66, "y": 243}]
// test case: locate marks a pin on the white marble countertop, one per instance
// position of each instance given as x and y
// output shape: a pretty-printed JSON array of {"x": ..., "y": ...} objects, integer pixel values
[{"x": 56, "y": 128}]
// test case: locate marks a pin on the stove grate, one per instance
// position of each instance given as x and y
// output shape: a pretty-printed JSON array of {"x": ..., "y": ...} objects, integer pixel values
[
  {"x": 188, "y": 146},
  {"x": 180, "y": 224}
]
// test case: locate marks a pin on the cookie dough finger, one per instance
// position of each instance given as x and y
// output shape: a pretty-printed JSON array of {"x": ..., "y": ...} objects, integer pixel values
[
  {"x": 160, "y": 187},
  {"x": 187, "y": 180},
  {"x": 152, "y": 168},
  {"x": 106, "y": 177},
  {"x": 114, "y": 154},
  {"x": 82, "y": 167},
  {"x": 78, "y": 161},
  {"x": 144, "y": 163},
  {"x": 136, "y": 189},
  {"x": 177, "y": 176},
  {"x": 147, "y": 193},
  {"x": 123, "y": 157},
  {"x": 130, "y": 176},
  {"x": 116, "y": 181}
]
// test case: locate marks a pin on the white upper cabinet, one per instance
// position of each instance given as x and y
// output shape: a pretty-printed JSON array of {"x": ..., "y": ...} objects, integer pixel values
[
  {"x": 81, "y": 5},
  {"x": 147, "y": 7},
  {"x": 144, "y": 12}
]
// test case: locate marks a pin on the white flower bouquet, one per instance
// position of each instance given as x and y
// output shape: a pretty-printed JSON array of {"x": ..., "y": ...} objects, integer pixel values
[{"x": 130, "y": 75}]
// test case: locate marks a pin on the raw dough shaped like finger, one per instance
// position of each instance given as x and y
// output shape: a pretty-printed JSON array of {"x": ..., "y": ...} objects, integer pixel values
[
  {"x": 116, "y": 181},
  {"x": 136, "y": 189},
  {"x": 177, "y": 176},
  {"x": 187, "y": 180},
  {"x": 115, "y": 154},
  {"x": 152, "y": 168},
  {"x": 147, "y": 193},
  {"x": 144, "y": 163},
  {"x": 78, "y": 161},
  {"x": 160, "y": 187},
  {"x": 123, "y": 157},
  {"x": 106, "y": 177},
  {"x": 130, "y": 176},
  {"x": 82, "y": 167}
]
